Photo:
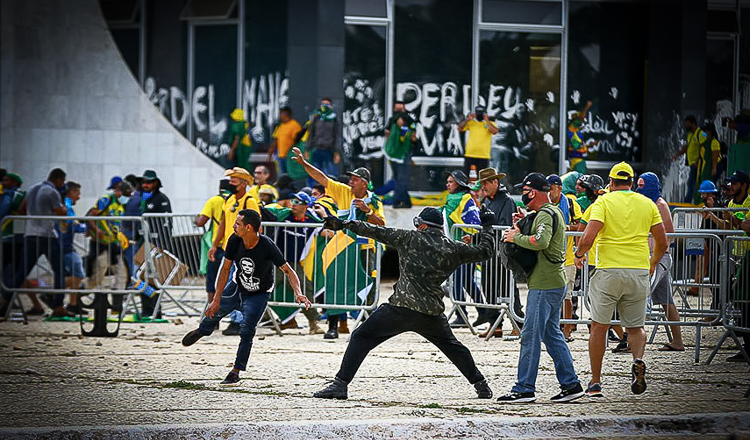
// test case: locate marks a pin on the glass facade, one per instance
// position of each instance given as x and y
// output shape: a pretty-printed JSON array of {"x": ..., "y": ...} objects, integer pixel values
[{"x": 532, "y": 63}]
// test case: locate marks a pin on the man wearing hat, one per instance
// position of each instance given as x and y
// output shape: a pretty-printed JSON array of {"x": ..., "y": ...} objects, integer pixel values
[
  {"x": 426, "y": 259},
  {"x": 545, "y": 298},
  {"x": 495, "y": 278},
  {"x": 623, "y": 267},
  {"x": 355, "y": 202},
  {"x": 479, "y": 142},
  {"x": 460, "y": 208},
  {"x": 153, "y": 201},
  {"x": 239, "y": 180}
]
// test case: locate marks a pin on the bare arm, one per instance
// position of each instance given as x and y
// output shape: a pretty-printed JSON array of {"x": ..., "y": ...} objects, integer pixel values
[
  {"x": 584, "y": 244},
  {"x": 660, "y": 245},
  {"x": 492, "y": 128},
  {"x": 714, "y": 162},
  {"x": 200, "y": 220},
  {"x": 294, "y": 282},
  {"x": 315, "y": 173},
  {"x": 217, "y": 240}
]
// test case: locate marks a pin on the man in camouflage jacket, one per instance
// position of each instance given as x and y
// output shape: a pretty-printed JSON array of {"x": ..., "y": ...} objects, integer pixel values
[{"x": 426, "y": 258}]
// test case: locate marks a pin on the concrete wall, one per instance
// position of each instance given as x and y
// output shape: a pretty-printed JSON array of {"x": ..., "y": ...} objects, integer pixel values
[{"x": 68, "y": 100}]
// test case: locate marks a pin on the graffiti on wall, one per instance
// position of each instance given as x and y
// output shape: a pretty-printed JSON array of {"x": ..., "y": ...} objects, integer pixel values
[
  {"x": 612, "y": 136},
  {"x": 362, "y": 119},
  {"x": 262, "y": 97}
]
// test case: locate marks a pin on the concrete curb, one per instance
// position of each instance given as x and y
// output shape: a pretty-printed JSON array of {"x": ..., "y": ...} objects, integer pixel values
[{"x": 728, "y": 424}]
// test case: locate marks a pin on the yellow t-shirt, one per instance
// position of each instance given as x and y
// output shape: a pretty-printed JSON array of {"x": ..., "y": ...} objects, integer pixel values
[
  {"x": 213, "y": 209},
  {"x": 343, "y": 196},
  {"x": 694, "y": 141},
  {"x": 232, "y": 208},
  {"x": 479, "y": 143},
  {"x": 740, "y": 248},
  {"x": 284, "y": 135},
  {"x": 627, "y": 218},
  {"x": 570, "y": 241}
]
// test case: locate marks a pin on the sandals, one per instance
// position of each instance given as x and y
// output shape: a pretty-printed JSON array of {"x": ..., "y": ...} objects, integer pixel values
[{"x": 667, "y": 347}]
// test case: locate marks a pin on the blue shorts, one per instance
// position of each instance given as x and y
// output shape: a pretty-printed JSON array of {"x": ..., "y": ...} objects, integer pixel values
[{"x": 73, "y": 265}]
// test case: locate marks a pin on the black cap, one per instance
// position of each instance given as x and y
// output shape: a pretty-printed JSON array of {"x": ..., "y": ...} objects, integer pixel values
[
  {"x": 535, "y": 181},
  {"x": 432, "y": 217},
  {"x": 360, "y": 172},
  {"x": 460, "y": 178},
  {"x": 740, "y": 177}
]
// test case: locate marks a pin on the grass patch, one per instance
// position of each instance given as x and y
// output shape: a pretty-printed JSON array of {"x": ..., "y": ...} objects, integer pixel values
[
  {"x": 184, "y": 385},
  {"x": 431, "y": 405}
]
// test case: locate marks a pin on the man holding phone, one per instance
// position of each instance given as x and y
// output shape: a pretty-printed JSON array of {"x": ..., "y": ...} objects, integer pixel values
[{"x": 478, "y": 144}]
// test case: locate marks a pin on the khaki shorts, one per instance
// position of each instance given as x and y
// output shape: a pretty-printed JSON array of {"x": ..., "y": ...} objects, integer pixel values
[
  {"x": 623, "y": 289},
  {"x": 570, "y": 277}
]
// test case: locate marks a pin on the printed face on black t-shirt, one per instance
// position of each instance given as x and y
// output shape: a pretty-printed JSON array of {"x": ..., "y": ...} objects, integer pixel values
[{"x": 253, "y": 268}]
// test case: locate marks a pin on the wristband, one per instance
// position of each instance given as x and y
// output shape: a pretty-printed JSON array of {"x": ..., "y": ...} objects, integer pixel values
[{"x": 577, "y": 256}]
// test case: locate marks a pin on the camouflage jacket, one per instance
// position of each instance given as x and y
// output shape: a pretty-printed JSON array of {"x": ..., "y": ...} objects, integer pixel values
[{"x": 425, "y": 259}]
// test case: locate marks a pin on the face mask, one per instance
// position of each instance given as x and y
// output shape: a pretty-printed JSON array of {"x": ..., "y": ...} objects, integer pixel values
[
  {"x": 526, "y": 199},
  {"x": 233, "y": 188},
  {"x": 146, "y": 195},
  {"x": 123, "y": 200},
  {"x": 325, "y": 107}
]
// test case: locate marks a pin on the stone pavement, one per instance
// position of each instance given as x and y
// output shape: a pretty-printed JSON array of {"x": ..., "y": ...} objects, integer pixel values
[{"x": 145, "y": 380}]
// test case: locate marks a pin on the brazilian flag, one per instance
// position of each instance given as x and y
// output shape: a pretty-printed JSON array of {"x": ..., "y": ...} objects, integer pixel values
[{"x": 346, "y": 281}]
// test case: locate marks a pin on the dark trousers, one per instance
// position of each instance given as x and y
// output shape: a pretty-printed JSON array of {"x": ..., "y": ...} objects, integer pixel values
[
  {"x": 33, "y": 248},
  {"x": 388, "y": 321},
  {"x": 401, "y": 174},
  {"x": 252, "y": 308}
]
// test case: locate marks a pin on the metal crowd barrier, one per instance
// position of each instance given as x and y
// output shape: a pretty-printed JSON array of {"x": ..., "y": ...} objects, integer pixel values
[
  {"x": 736, "y": 303},
  {"x": 176, "y": 263},
  {"x": 692, "y": 218},
  {"x": 337, "y": 271},
  {"x": 90, "y": 263},
  {"x": 488, "y": 285}
]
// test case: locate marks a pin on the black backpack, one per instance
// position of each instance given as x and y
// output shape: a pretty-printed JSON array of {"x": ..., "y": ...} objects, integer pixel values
[{"x": 521, "y": 261}]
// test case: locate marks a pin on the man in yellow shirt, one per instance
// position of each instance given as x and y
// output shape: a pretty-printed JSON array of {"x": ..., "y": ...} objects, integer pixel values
[
  {"x": 239, "y": 179},
  {"x": 212, "y": 212},
  {"x": 355, "y": 202},
  {"x": 283, "y": 138},
  {"x": 261, "y": 175},
  {"x": 479, "y": 144},
  {"x": 695, "y": 137},
  {"x": 621, "y": 221}
]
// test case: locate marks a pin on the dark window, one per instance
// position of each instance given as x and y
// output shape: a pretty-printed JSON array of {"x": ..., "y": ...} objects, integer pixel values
[{"x": 522, "y": 11}]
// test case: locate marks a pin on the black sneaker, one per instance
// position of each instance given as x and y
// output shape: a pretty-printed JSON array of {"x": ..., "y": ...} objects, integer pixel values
[
  {"x": 483, "y": 389},
  {"x": 191, "y": 338},
  {"x": 517, "y": 398},
  {"x": 335, "y": 390},
  {"x": 231, "y": 380},
  {"x": 572, "y": 393},
  {"x": 612, "y": 336},
  {"x": 639, "y": 377},
  {"x": 622, "y": 347},
  {"x": 594, "y": 390},
  {"x": 331, "y": 334},
  {"x": 232, "y": 330},
  {"x": 737, "y": 357}
]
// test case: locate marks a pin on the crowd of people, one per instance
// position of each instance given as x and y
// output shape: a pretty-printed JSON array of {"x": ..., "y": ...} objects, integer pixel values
[
  {"x": 112, "y": 246},
  {"x": 624, "y": 245}
]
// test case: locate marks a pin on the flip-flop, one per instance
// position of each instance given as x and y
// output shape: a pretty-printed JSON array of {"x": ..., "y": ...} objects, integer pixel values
[{"x": 667, "y": 347}]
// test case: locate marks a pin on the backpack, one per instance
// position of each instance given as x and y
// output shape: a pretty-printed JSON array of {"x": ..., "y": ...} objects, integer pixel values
[{"x": 521, "y": 261}]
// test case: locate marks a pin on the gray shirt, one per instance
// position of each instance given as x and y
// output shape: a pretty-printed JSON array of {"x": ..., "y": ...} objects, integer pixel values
[{"x": 42, "y": 199}]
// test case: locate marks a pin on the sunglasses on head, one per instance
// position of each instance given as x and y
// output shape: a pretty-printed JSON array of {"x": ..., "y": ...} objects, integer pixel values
[{"x": 297, "y": 202}]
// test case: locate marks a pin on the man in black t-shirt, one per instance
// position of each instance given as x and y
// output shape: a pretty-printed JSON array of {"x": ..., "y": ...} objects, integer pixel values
[{"x": 253, "y": 256}]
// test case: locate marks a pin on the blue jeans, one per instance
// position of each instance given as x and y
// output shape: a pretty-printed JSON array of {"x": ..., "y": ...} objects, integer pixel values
[
  {"x": 212, "y": 270},
  {"x": 542, "y": 324},
  {"x": 691, "y": 184},
  {"x": 323, "y": 160},
  {"x": 463, "y": 281},
  {"x": 252, "y": 307}
]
